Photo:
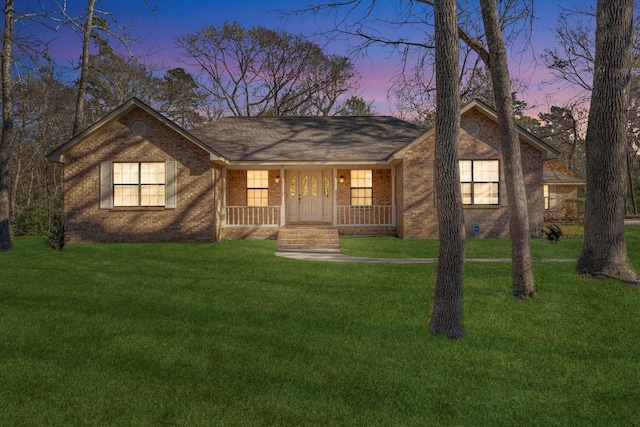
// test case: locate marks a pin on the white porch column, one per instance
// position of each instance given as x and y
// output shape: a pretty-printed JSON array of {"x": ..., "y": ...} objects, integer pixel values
[
  {"x": 393, "y": 197},
  {"x": 283, "y": 198},
  {"x": 223, "y": 214},
  {"x": 335, "y": 197}
]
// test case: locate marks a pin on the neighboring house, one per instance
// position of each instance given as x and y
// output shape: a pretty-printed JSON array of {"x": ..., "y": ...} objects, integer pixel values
[
  {"x": 560, "y": 193},
  {"x": 135, "y": 176}
]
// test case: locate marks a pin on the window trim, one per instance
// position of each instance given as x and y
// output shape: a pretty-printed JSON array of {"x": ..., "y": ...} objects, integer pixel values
[
  {"x": 106, "y": 187},
  {"x": 367, "y": 198},
  {"x": 549, "y": 195},
  {"x": 139, "y": 185},
  {"x": 473, "y": 182},
  {"x": 262, "y": 190}
]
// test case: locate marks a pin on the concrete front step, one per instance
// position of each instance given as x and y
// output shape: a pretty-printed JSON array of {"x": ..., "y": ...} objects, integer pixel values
[{"x": 308, "y": 236}]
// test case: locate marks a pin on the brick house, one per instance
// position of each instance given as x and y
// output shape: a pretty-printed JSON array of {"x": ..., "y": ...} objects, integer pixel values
[
  {"x": 560, "y": 192},
  {"x": 135, "y": 176}
]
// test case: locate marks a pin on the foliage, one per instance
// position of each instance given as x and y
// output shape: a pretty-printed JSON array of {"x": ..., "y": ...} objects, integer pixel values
[
  {"x": 229, "y": 334},
  {"x": 114, "y": 79},
  {"x": 356, "y": 106},
  {"x": 553, "y": 233},
  {"x": 563, "y": 129},
  {"x": 258, "y": 71},
  {"x": 574, "y": 208},
  {"x": 55, "y": 238}
]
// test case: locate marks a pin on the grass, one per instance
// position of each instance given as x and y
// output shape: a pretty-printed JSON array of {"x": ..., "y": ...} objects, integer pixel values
[
  {"x": 391, "y": 247},
  {"x": 229, "y": 334}
]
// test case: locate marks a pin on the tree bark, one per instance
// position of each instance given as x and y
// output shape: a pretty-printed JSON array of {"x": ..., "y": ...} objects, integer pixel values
[
  {"x": 84, "y": 68},
  {"x": 604, "y": 250},
  {"x": 523, "y": 283},
  {"x": 446, "y": 316},
  {"x": 7, "y": 126}
]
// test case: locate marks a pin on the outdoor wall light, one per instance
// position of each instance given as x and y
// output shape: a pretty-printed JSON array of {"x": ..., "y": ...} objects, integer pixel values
[
  {"x": 341, "y": 178},
  {"x": 277, "y": 179}
]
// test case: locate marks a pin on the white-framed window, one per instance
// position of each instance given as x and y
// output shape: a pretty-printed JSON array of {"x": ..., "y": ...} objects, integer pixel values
[
  {"x": 257, "y": 188},
  {"x": 550, "y": 197},
  {"x": 362, "y": 187},
  {"x": 480, "y": 182},
  {"x": 137, "y": 184}
]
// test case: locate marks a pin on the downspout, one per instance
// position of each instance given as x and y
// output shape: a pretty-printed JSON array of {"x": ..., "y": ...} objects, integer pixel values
[
  {"x": 393, "y": 196},
  {"x": 282, "y": 197},
  {"x": 335, "y": 197},
  {"x": 223, "y": 214}
]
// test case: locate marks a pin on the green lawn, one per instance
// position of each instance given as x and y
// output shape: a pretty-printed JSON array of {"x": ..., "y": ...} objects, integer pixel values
[{"x": 230, "y": 334}]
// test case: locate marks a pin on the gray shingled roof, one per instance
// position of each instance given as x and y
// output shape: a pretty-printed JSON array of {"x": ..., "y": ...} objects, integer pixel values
[
  {"x": 552, "y": 176},
  {"x": 362, "y": 138}
]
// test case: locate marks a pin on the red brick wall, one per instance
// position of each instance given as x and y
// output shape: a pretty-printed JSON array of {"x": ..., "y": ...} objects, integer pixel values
[
  {"x": 195, "y": 218},
  {"x": 418, "y": 198},
  {"x": 237, "y": 188},
  {"x": 563, "y": 211},
  {"x": 381, "y": 180}
]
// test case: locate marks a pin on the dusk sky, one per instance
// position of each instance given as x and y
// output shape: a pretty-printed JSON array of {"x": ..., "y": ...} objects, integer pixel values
[{"x": 378, "y": 69}]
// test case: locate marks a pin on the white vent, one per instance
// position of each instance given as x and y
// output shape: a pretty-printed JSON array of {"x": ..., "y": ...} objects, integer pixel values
[
  {"x": 138, "y": 128},
  {"x": 472, "y": 128}
]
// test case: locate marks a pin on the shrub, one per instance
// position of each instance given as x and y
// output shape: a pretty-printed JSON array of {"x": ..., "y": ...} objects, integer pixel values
[
  {"x": 574, "y": 208},
  {"x": 55, "y": 238},
  {"x": 553, "y": 233}
]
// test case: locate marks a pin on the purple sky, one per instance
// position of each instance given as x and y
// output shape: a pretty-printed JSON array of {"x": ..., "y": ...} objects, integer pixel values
[{"x": 174, "y": 17}]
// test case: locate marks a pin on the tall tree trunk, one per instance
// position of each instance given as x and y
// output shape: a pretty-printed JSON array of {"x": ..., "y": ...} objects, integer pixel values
[
  {"x": 523, "y": 283},
  {"x": 446, "y": 317},
  {"x": 7, "y": 126},
  {"x": 604, "y": 249},
  {"x": 84, "y": 68}
]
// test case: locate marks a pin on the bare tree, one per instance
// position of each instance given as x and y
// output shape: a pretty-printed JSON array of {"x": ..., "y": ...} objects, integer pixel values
[
  {"x": 572, "y": 61},
  {"x": 496, "y": 60},
  {"x": 261, "y": 71},
  {"x": 604, "y": 250},
  {"x": 7, "y": 125},
  {"x": 513, "y": 14},
  {"x": 494, "y": 55},
  {"x": 446, "y": 317},
  {"x": 84, "y": 67},
  {"x": 563, "y": 129}
]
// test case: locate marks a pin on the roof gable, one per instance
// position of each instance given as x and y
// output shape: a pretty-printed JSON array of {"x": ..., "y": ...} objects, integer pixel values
[
  {"x": 57, "y": 155},
  {"x": 547, "y": 151}
]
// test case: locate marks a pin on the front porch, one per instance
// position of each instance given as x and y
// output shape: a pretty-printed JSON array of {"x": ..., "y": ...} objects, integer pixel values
[
  {"x": 358, "y": 216},
  {"x": 354, "y": 206}
]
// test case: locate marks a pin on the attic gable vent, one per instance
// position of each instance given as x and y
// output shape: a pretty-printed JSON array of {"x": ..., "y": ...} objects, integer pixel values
[
  {"x": 472, "y": 128},
  {"x": 139, "y": 128}
]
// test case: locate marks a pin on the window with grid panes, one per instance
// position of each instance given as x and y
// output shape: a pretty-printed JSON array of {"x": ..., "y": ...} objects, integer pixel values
[
  {"x": 138, "y": 184},
  {"x": 361, "y": 188},
  {"x": 480, "y": 182},
  {"x": 257, "y": 188},
  {"x": 549, "y": 197}
]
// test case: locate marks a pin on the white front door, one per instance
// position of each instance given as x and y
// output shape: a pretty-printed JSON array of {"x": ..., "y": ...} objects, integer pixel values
[{"x": 309, "y": 196}]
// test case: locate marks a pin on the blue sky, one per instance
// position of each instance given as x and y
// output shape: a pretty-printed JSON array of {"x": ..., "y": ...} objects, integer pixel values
[{"x": 174, "y": 17}]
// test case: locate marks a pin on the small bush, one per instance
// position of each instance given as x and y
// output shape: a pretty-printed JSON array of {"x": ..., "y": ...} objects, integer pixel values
[
  {"x": 553, "y": 233},
  {"x": 55, "y": 238}
]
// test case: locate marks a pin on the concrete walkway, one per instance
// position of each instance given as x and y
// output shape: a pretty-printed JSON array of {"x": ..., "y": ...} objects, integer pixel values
[
  {"x": 335, "y": 255},
  {"x": 311, "y": 253}
]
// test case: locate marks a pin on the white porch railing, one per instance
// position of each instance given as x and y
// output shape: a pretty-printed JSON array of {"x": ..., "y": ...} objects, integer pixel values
[
  {"x": 366, "y": 215},
  {"x": 253, "y": 215}
]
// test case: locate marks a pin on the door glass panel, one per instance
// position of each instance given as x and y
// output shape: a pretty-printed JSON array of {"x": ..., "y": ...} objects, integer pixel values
[
  {"x": 314, "y": 186},
  {"x": 292, "y": 187},
  {"x": 325, "y": 186},
  {"x": 305, "y": 186}
]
